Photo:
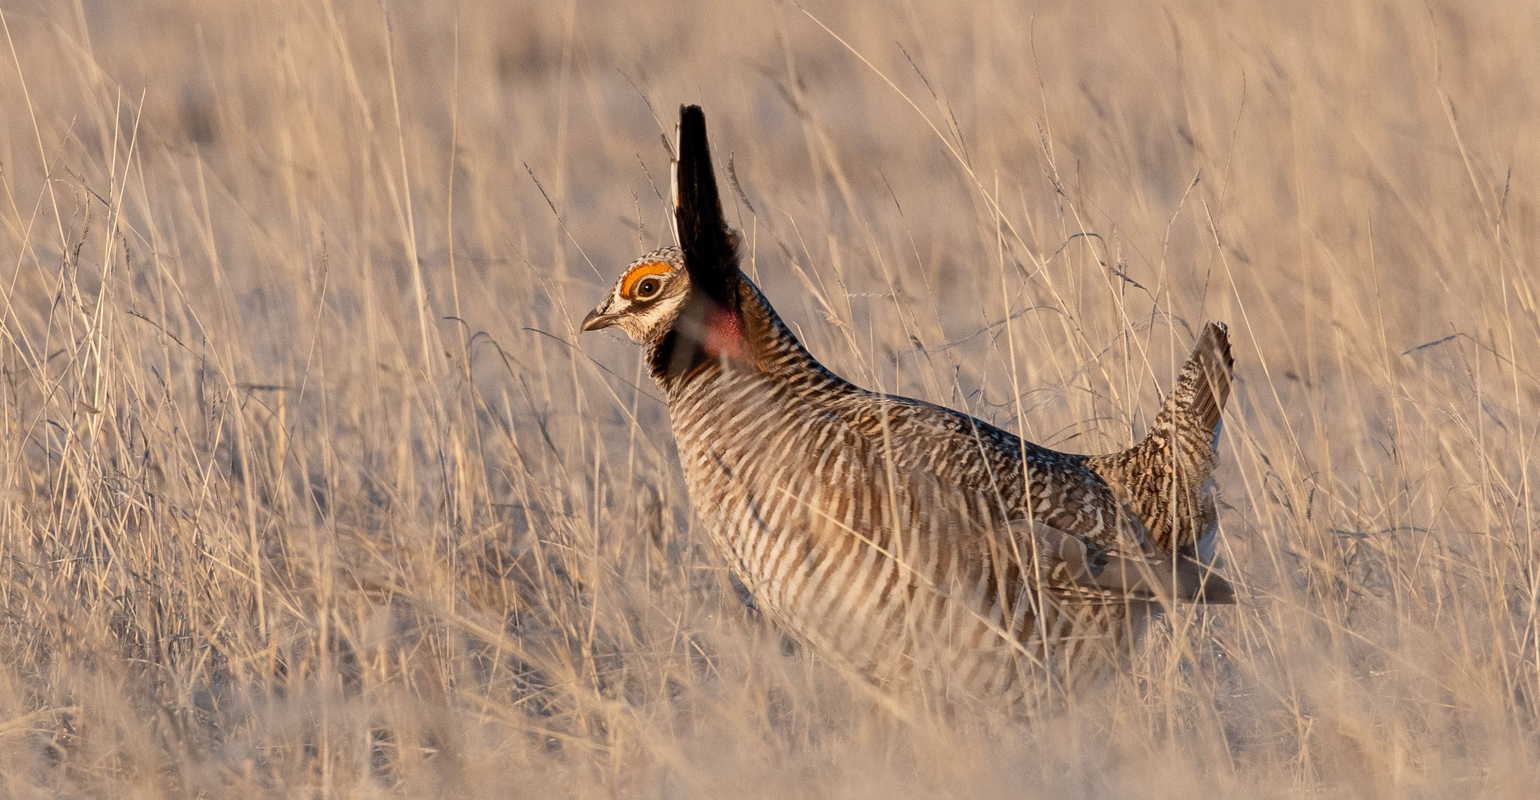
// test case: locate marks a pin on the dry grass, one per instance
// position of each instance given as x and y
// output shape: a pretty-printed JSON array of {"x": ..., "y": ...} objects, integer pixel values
[{"x": 311, "y": 487}]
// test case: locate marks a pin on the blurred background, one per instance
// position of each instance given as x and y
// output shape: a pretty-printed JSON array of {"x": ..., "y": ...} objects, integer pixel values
[{"x": 311, "y": 485}]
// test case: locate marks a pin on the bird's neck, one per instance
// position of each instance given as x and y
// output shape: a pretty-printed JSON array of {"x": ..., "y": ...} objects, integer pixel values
[{"x": 716, "y": 339}]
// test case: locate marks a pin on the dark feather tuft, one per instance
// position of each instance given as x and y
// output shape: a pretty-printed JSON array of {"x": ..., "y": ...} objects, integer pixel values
[{"x": 710, "y": 247}]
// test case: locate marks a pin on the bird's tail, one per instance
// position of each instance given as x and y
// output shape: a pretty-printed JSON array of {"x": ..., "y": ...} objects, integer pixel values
[
  {"x": 1166, "y": 477},
  {"x": 1204, "y": 385}
]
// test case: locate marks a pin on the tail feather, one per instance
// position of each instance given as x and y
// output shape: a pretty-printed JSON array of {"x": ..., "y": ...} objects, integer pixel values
[
  {"x": 1204, "y": 385},
  {"x": 1165, "y": 478}
]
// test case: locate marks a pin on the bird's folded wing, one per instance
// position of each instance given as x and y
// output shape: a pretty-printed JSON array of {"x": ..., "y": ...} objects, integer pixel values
[{"x": 1070, "y": 563}]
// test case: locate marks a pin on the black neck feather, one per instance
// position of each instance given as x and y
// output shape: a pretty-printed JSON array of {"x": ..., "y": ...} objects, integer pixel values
[
  {"x": 682, "y": 350},
  {"x": 710, "y": 247}
]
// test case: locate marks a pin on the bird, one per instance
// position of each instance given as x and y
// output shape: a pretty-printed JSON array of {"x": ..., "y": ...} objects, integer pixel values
[{"x": 905, "y": 541}]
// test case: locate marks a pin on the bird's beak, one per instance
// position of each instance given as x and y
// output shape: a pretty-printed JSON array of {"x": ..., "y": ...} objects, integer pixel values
[{"x": 597, "y": 319}]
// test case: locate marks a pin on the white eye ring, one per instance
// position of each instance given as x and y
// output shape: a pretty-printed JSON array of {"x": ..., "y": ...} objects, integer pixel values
[{"x": 647, "y": 287}]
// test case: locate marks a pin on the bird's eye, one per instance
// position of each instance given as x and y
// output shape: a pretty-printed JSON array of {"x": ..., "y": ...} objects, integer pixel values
[{"x": 647, "y": 288}]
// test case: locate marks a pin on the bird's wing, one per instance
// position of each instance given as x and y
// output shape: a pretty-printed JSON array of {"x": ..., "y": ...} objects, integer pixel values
[{"x": 1070, "y": 562}]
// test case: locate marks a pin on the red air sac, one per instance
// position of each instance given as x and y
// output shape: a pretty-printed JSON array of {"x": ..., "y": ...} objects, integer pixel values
[{"x": 724, "y": 336}]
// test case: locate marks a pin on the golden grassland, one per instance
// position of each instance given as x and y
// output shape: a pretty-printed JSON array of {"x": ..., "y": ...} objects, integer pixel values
[{"x": 311, "y": 487}]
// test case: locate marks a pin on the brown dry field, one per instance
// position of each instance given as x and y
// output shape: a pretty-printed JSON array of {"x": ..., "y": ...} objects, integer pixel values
[{"x": 312, "y": 489}]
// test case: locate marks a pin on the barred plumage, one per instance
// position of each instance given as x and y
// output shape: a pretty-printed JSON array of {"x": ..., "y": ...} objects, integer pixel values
[{"x": 895, "y": 536}]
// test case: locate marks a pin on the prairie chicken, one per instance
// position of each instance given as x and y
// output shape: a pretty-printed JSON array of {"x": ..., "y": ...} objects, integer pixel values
[{"x": 898, "y": 537}]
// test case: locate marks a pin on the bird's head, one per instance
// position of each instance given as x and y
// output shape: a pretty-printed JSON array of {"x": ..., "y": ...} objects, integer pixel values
[
  {"x": 647, "y": 299},
  {"x": 683, "y": 302}
]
